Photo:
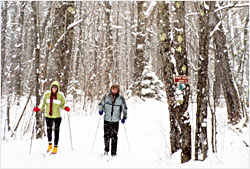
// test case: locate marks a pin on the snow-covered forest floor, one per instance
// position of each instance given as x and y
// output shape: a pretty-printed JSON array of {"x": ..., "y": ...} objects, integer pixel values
[{"x": 148, "y": 144}]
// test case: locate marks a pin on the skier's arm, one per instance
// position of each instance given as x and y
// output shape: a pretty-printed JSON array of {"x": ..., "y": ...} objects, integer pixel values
[
  {"x": 42, "y": 104},
  {"x": 124, "y": 108},
  {"x": 62, "y": 101},
  {"x": 102, "y": 103}
]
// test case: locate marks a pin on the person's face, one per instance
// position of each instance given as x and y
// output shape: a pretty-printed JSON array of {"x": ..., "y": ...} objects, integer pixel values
[
  {"x": 114, "y": 90},
  {"x": 54, "y": 89}
]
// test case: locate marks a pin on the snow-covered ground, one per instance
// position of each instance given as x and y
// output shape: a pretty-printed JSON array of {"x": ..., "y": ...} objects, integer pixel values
[{"x": 147, "y": 146}]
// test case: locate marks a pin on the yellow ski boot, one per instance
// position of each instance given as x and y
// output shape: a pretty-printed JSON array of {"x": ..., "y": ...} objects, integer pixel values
[
  {"x": 50, "y": 147},
  {"x": 54, "y": 150}
]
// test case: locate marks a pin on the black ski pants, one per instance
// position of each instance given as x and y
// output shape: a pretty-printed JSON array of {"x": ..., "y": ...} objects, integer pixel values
[
  {"x": 110, "y": 133},
  {"x": 49, "y": 123}
]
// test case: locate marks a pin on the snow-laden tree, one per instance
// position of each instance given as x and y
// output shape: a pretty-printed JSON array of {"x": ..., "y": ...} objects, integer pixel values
[
  {"x": 201, "y": 143},
  {"x": 139, "y": 60},
  {"x": 174, "y": 54},
  {"x": 151, "y": 86}
]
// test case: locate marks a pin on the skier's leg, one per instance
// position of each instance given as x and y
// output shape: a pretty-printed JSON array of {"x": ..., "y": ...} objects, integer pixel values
[
  {"x": 114, "y": 138},
  {"x": 56, "y": 139},
  {"x": 49, "y": 123},
  {"x": 57, "y": 127},
  {"x": 107, "y": 136}
]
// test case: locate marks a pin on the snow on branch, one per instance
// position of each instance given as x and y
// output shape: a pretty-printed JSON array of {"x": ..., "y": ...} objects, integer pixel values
[
  {"x": 58, "y": 41},
  {"x": 221, "y": 8},
  {"x": 68, "y": 28},
  {"x": 150, "y": 8},
  {"x": 192, "y": 14},
  {"x": 74, "y": 24},
  {"x": 117, "y": 27},
  {"x": 215, "y": 28},
  {"x": 232, "y": 6}
]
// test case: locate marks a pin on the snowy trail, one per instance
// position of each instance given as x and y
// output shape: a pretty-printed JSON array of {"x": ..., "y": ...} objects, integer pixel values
[
  {"x": 145, "y": 131},
  {"x": 147, "y": 128}
]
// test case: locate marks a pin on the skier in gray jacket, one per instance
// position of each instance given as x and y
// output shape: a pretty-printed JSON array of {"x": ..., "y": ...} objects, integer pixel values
[{"x": 112, "y": 105}]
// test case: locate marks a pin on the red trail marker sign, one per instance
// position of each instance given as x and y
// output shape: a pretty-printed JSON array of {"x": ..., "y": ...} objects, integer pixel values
[{"x": 181, "y": 79}]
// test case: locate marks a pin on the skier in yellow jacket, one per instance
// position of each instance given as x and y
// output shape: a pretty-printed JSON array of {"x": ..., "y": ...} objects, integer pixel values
[{"x": 54, "y": 100}]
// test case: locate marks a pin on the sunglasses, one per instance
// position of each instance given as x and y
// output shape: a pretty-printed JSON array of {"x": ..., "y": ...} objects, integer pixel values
[{"x": 54, "y": 87}]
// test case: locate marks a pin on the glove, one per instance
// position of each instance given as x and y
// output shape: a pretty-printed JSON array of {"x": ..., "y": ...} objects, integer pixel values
[
  {"x": 123, "y": 121},
  {"x": 36, "y": 109},
  {"x": 101, "y": 112},
  {"x": 67, "y": 108}
]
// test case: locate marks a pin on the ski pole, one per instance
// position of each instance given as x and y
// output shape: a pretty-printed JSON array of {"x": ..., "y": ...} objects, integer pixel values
[
  {"x": 70, "y": 133},
  {"x": 126, "y": 136},
  {"x": 34, "y": 122},
  {"x": 96, "y": 133}
]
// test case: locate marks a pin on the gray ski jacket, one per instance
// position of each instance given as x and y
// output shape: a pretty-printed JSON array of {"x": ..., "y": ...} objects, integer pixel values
[{"x": 112, "y": 108}]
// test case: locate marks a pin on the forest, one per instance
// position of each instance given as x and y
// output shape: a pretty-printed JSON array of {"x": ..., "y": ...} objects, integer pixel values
[{"x": 89, "y": 45}]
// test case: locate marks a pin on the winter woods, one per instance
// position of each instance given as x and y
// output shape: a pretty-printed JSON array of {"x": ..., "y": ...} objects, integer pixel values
[{"x": 87, "y": 46}]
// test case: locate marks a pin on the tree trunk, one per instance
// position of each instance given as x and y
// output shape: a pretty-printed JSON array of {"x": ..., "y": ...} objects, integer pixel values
[
  {"x": 201, "y": 143},
  {"x": 67, "y": 46},
  {"x": 108, "y": 44},
  {"x": 3, "y": 42},
  {"x": 62, "y": 43},
  {"x": 115, "y": 72},
  {"x": 43, "y": 75},
  {"x": 4, "y": 9},
  {"x": 227, "y": 83},
  {"x": 8, "y": 112},
  {"x": 181, "y": 110},
  {"x": 213, "y": 130},
  {"x": 139, "y": 61},
  {"x": 217, "y": 83},
  {"x": 79, "y": 49},
  {"x": 168, "y": 71},
  {"x": 246, "y": 68},
  {"x": 18, "y": 72},
  {"x": 216, "y": 98},
  {"x": 180, "y": 128},
  {"x": 39, "y": 120}
]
